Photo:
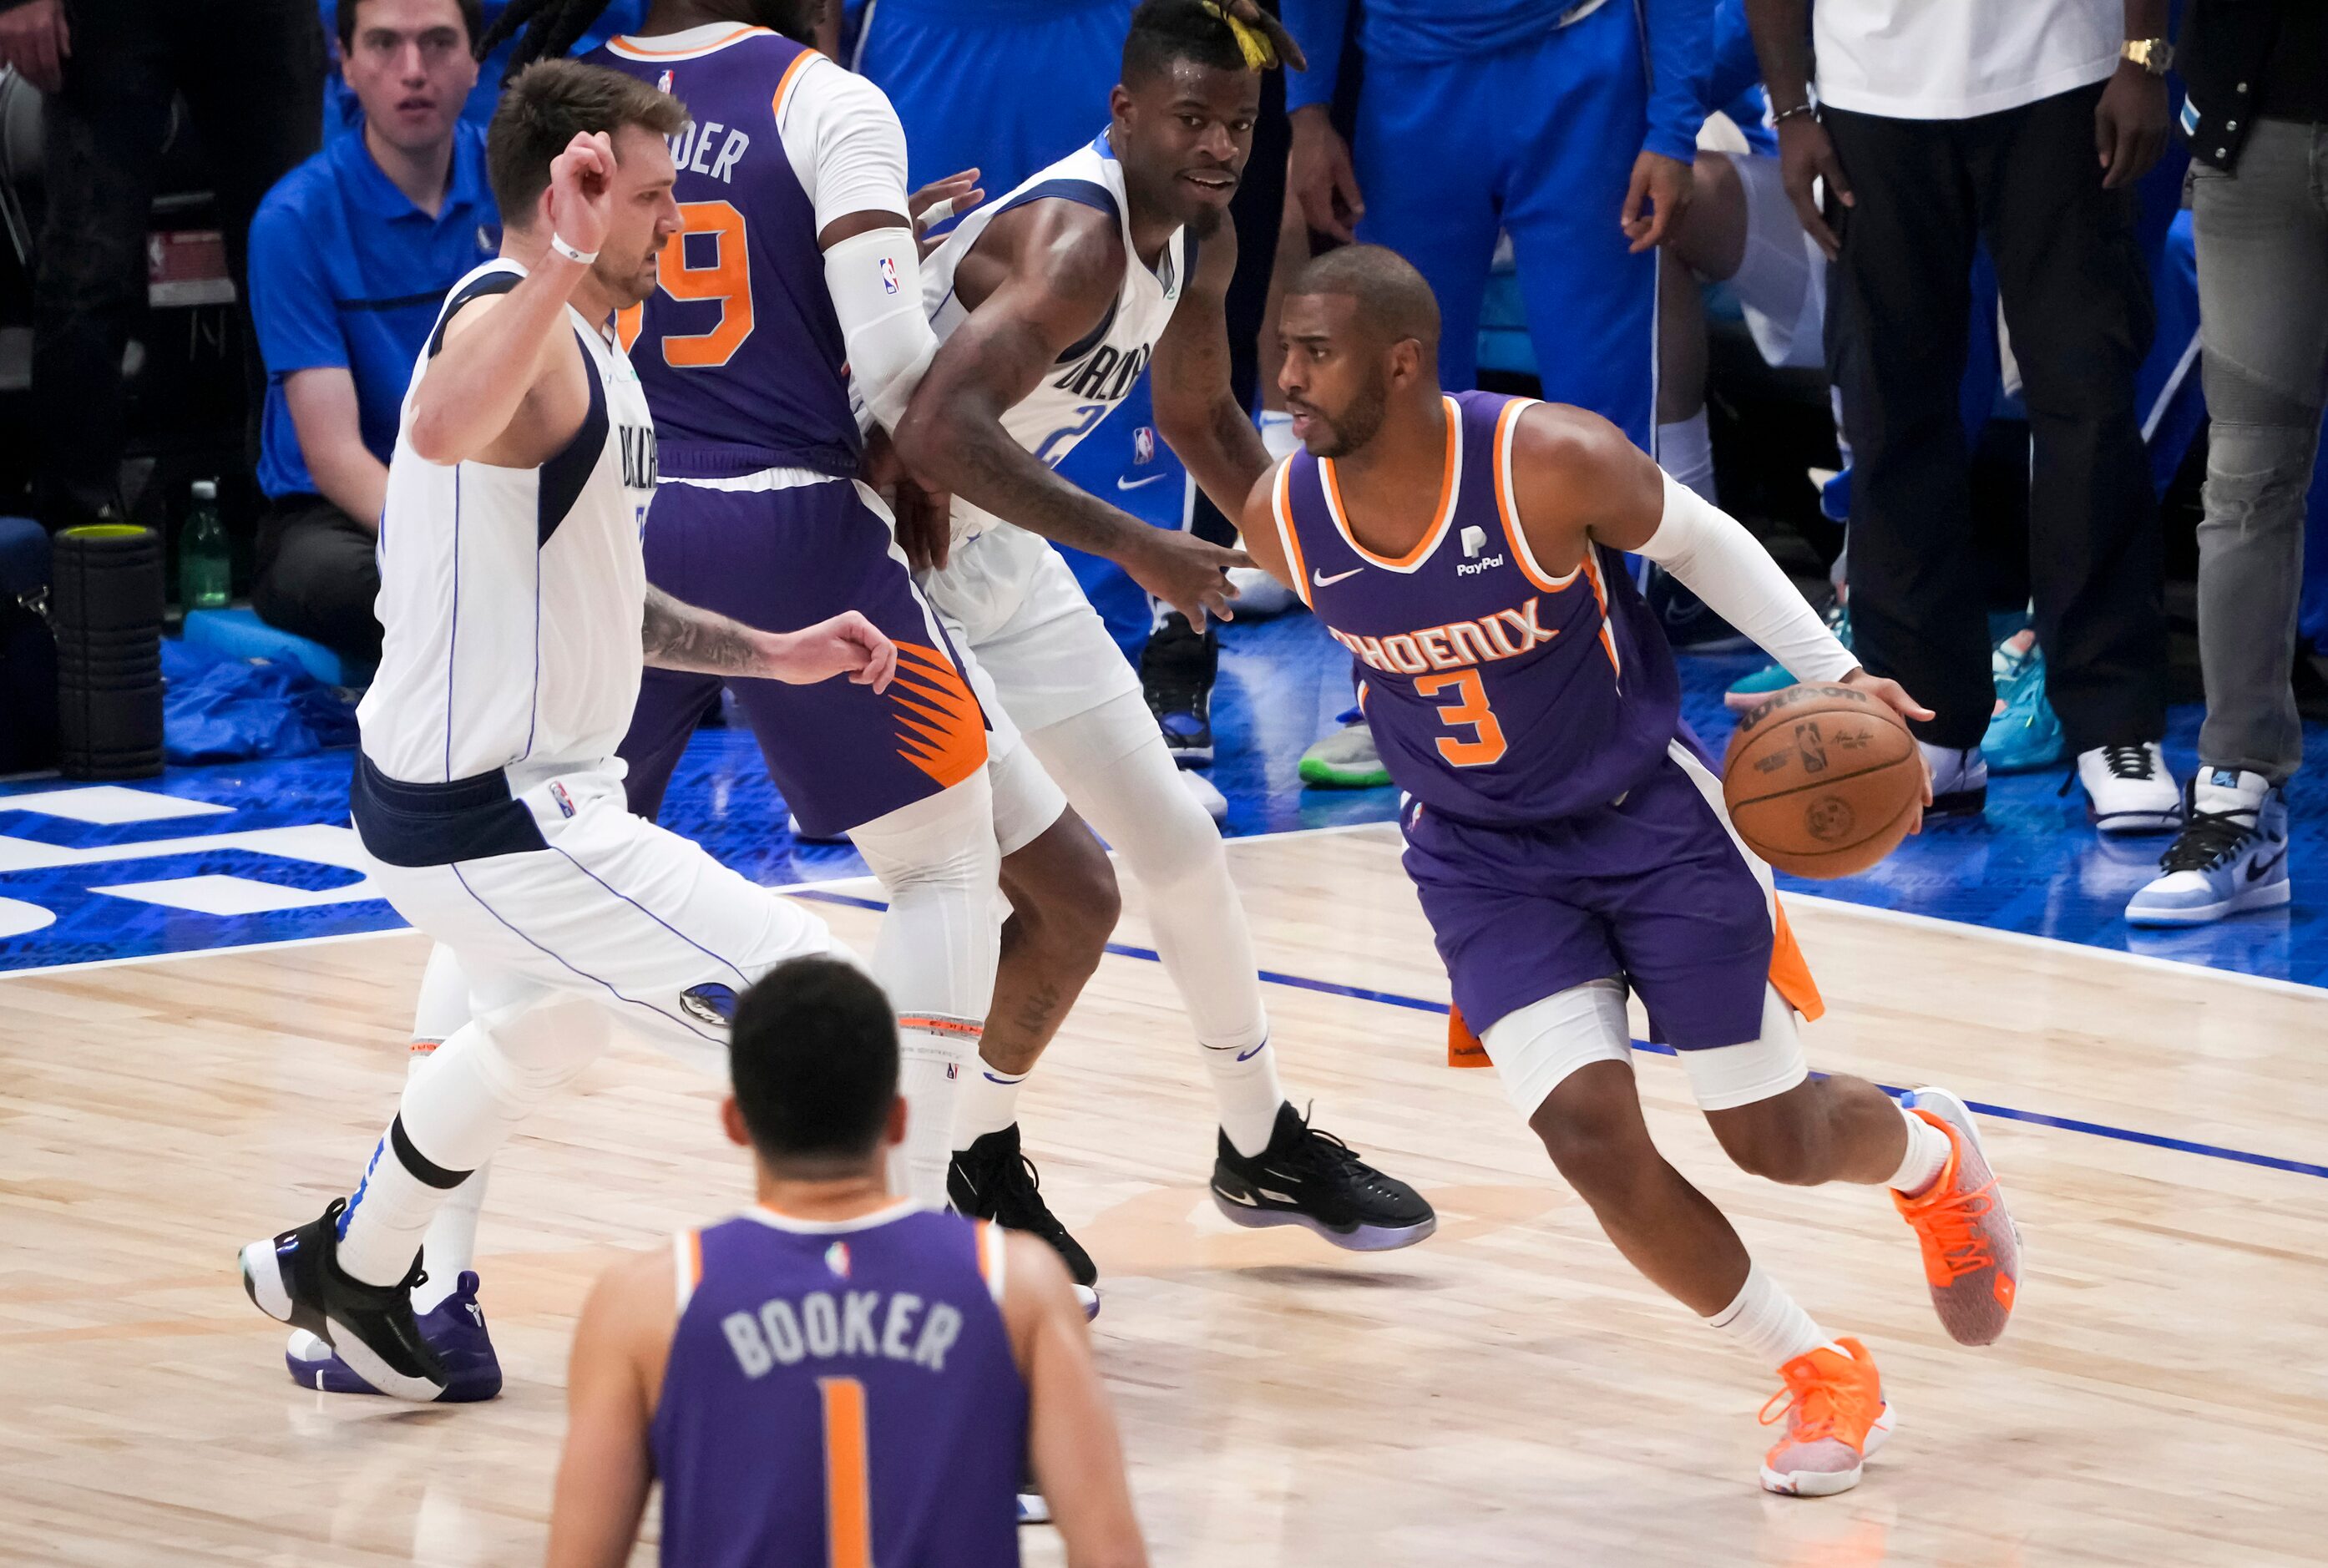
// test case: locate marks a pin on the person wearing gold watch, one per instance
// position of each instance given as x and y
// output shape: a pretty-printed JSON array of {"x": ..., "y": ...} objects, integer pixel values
[{"x": 1910, "y": 132}]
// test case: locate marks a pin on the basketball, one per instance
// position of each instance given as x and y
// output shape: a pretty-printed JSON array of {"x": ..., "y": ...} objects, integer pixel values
[{"x": 1822, "y": 781}]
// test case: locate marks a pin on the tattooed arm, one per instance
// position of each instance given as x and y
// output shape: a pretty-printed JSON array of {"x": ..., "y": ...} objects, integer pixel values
[{"x": 676, "y": 635}]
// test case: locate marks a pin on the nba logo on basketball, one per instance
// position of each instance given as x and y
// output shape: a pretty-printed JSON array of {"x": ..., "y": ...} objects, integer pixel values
[{"x": 1143, "y": 443}]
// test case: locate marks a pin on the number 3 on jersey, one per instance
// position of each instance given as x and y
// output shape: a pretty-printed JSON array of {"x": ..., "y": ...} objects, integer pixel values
[
  {"x": 1471, "y": 712},
  {"x": 716, "y": 231}
]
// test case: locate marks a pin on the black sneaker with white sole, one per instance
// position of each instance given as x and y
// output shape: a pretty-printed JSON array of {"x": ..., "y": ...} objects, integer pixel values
[
  {"x": 1176, "y": 669},
  {"x": 994, "y": 1179},
  {"x": 1310, "y": 1178},
  {"x": 296, "y": 1279}
]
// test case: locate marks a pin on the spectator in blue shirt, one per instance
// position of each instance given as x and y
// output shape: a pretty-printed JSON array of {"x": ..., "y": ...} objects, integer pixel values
[
  {"x": 350, "y": 255},
  {"x": 343, "y": 114}
]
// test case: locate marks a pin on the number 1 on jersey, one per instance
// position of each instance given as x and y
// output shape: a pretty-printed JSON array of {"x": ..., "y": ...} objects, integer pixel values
[
  {"x": 848, "y": 1494},
  {"x": 1472, "y": 713}
]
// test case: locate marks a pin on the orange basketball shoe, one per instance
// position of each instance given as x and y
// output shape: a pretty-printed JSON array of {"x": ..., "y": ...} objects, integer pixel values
[
  {"x": 1972, "y": 1251},
  {"x": 1835, "y": 1417}
]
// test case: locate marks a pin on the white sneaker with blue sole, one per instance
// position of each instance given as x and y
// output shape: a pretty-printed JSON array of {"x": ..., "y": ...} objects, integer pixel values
[{"x": 2232, "y": 856}]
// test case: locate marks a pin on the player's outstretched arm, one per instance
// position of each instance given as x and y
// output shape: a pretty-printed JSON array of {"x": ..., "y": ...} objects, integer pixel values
[
  {"x": 1197, "y": 412},
  {"x": 1062, "y": 264},
  {"x": 1579, "y": 479},
  {"x": 1078, "y": 1460},
  {"x": 507, "y": 385},
  {"x": 612, "y": 1383},
  {"x": 676, "y": 635}
]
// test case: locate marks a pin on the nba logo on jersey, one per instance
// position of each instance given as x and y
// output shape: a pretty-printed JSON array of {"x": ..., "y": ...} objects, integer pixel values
[
  {"x": 836, "y": 1258},
  {"x": 1143, "y": 443},
  {"x": 662, "y": 82},
  {"x": 564, "y": 801},
  {"x": 888, "y": 276}
]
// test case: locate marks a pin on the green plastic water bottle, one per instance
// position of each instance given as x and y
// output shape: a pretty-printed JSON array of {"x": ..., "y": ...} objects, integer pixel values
[{"x": 204, "y": 571}]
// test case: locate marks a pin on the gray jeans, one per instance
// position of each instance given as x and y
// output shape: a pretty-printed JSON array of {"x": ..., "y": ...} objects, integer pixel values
[{"x": 2263, "y": 301}]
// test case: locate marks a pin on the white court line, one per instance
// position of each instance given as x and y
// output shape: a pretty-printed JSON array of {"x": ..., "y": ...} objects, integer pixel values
[
  {"x": 2176, "y": 966},
  {"x": 827, "y": 883},
  {"x": 2152, "y": 962}
]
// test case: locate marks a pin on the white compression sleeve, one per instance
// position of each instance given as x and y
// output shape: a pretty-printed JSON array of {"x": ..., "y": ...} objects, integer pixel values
[
  {"x": 1719, "y": 561},
  {"x": 875, "y": 279}
]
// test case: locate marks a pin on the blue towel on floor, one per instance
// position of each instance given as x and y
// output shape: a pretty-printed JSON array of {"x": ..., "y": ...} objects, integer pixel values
[{"x": 217, "y": 708}]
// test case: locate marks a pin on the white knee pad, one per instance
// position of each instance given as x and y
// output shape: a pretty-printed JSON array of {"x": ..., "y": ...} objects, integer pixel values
[
  {"x": 939, "y": 859},
  {"x": 1729, "y": 1077},
  {"x": 1537, "y": 1046},
  {"x": 1027, "y": 800},
  {"x": 495, "y": 1071}
]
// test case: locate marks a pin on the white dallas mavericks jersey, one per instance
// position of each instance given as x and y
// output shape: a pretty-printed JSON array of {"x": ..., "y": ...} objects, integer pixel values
[
  {"x": 511, "y": 598},
  {"x": 1095, "y": 374}
]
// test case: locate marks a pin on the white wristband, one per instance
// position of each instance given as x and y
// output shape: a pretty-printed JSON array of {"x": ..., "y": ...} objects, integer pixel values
[{"x": 584, "y": 258}]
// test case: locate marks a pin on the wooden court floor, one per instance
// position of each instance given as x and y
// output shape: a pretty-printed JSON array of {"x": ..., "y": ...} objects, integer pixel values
[{"x": 1508, "y": 1393}]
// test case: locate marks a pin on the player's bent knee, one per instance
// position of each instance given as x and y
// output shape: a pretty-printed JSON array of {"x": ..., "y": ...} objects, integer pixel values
[
  {"x": 1591, "y": 1127},
  {"x": 1780, "y": 1139},
  {"x": 1064, "y": 890},
  {"x": 1751, "y": 1095}
]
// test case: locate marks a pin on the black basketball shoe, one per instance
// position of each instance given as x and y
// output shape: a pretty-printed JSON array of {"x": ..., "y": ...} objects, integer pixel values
[
  {"x": 296, "y": 1279},
  {"x": 994, "y": 1179},
  {"x": 1310, "y": 1178},
  {"x": 1176, "y": 675}
]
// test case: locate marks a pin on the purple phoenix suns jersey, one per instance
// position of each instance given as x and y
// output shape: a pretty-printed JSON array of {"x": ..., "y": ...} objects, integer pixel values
[
  {"x": 739, "y": 347},
  {"x": 1498, "y": 694},
  {"x": 841, "y": 1393}
]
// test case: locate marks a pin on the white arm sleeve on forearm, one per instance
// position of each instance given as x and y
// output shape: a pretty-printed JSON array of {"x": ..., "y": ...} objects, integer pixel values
[
  {"x": 1719, "y": 561},
  {"x": 845, "y": 147},
  {"x": 875, "y": 279}
]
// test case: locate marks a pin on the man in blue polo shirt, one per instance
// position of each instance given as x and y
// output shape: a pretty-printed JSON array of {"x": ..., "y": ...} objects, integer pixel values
[{"x": 350, "y": 255}]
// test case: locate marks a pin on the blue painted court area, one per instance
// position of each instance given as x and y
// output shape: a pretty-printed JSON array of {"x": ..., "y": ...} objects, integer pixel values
[{"x": 228, "y": 856}]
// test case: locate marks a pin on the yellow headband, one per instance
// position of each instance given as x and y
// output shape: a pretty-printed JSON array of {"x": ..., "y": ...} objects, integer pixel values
[{"x": 1259, "y": 53}]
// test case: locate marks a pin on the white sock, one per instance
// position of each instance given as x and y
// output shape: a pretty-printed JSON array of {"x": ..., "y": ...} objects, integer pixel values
[
  {"x": 1927, "y": 1152},
  {"x": 449, "y": 1247},
  {"x": 989, "y": 1102},
  {"x": 1246, "y": 1090},
  {"x": 929, "y": 1065},
  {"x": 1686, "y": 451},
  {"x": 1766, "y": 1320}
]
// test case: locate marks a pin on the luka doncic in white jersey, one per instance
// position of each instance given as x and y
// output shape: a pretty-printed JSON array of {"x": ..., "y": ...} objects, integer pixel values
[
  {"x": 1096, "y": 373},
  {"x": 511, "y": 598}
]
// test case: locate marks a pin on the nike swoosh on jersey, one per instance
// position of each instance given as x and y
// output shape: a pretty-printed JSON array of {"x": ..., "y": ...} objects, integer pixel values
[
  {"x": 1323, "y": 581},
  {"x": 1123, "y": 484}
]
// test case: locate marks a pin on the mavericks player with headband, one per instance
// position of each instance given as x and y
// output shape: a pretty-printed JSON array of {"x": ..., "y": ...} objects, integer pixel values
[
  {"x": 516, "y": 610},
  {"x": 1051, "y": 302},
  {"x": 1567, "y": 841}
]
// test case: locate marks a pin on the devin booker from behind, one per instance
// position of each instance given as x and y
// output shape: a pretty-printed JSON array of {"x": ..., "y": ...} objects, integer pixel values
[
  {"x": 516, "y": 610},
  {"x": 836, "y": 1375},
  {"x": 1567, "y": 842}
]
